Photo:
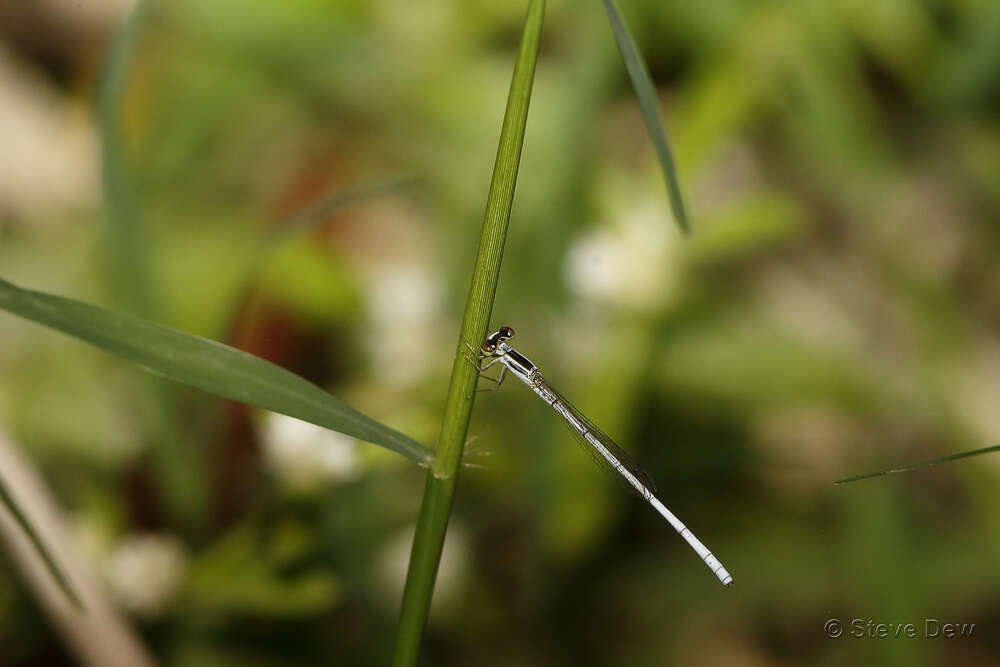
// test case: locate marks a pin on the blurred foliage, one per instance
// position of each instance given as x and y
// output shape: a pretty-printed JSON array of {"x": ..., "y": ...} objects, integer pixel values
[{"x": 833, "y": 313}]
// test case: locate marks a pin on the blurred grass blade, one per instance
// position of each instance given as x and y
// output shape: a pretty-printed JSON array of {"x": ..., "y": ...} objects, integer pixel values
[
  {"x": 317, "y": 212},
  {"x": 205, "y": 364},
  {"x": 921, "y": 464},
  {"x": 642, "y": 83},
  {"x": 302, "y": 220},
  {"x": 36, "y": 541},
  {"x": 178, "y": 472},
  {"x": 127, "y": 246}
]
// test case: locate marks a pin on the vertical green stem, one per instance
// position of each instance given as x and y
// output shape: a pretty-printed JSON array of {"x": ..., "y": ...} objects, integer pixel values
[{"x": 441, "y": 477}]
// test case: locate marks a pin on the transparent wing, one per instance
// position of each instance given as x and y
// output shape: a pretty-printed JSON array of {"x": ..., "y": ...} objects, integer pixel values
[{"x": 579, "y": 425}]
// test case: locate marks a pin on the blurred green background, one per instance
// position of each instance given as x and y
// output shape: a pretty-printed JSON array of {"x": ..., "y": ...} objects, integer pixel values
[{"x": 834, "y": 312}]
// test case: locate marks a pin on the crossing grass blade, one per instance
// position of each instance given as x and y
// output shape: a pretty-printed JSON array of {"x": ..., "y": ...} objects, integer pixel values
[
  {"x": 305, "y": 219},
  {"x": 205, "y": 364},
  {"x": 39, "y": 545},
  {"x": 921, "y": 464},
  {"x": 315, "y": 213},
  {"x": 642, "y": 83}
]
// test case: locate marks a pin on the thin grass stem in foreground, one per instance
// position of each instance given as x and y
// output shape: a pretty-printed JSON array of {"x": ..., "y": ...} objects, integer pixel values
[
  {"x": 921, "y": 464},
  {"x": 440, "y": 486}
]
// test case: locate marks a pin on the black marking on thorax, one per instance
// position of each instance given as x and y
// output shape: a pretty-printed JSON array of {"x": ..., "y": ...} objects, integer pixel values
[{"x": 523, "y": 364}]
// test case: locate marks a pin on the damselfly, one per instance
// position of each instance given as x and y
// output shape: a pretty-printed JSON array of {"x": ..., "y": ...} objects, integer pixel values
[{"x": 602, "y": 448}]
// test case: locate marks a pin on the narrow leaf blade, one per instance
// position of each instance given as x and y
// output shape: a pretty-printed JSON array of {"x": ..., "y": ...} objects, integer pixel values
[
  {"x": 921, "y": 464},
  {"x": 315, "y": 213},
  {"x": 205, "y": 364},
  {"x": 642, "y": 83},
  {"x": 39, "y": 545}
]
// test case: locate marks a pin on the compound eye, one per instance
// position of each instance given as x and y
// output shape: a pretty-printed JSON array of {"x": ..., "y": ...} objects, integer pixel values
[
  {"x": 487, "y": 346},
  {"x": 506, "y": 332}
]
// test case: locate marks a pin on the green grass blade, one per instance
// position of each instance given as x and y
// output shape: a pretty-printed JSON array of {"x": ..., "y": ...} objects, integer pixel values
[
  {"x": 642, "y": 83},
  {"x": 439, "y": 491},
  {"x": 921, "y": 464},
  {"x": 36, "y": 541},
  {"x": 205, "y": 364}
]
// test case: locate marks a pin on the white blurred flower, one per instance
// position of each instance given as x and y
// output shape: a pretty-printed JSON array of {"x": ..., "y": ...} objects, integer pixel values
[
  {"x": 304, "y": 456},
  {"x": 632, "y": 263},
  {"x": 49, "y": 147},
  {"x": 145, "y": 571},
  {"x": 403, "y": 299},
  {"x": 453, "y": 572},
  {"x": 404, "y": 295}
]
